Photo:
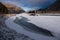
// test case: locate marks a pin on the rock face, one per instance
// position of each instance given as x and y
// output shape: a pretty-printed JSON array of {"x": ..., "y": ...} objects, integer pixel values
[
  {"x": 55, "y": 6},
  {"x": 3, "y": 9},
  {"x": 10, "y": 8},
  {"x": 13, "y": 8}
]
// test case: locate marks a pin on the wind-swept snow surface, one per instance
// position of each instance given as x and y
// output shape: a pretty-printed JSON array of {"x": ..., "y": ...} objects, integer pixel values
[{"x": 51, "y": 23}]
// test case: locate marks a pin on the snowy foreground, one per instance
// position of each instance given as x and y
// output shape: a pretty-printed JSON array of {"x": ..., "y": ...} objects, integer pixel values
[{"x": 51, "y": 23}]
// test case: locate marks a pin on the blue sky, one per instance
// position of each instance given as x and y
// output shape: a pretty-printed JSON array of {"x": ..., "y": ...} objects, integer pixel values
[{"x": 28, "y": 5}]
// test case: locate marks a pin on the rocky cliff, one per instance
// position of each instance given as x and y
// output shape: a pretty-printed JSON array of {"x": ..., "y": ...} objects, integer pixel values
[{"x": 3, "y": 9}]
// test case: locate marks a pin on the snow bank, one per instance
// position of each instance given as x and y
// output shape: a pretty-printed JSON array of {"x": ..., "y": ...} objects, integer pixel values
[{"x": 48, "y": 22}]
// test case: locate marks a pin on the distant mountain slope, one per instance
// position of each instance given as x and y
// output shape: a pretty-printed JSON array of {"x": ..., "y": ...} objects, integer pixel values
[
  {"x": 3, "y": 9},
  {"x": 55, "y": 6},
  {"x": 13, "y": 8}
]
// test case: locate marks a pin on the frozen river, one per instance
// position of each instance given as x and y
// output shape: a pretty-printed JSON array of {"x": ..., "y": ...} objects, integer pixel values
[{"x": 51, "y": 23}]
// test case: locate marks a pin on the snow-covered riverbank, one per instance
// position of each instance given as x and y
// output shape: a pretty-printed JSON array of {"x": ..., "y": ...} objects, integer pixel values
[{"x": 51, "y": 23}]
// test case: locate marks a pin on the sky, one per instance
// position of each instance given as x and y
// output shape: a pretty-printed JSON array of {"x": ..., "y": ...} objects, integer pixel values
[{"x": 29, "y": 5}]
